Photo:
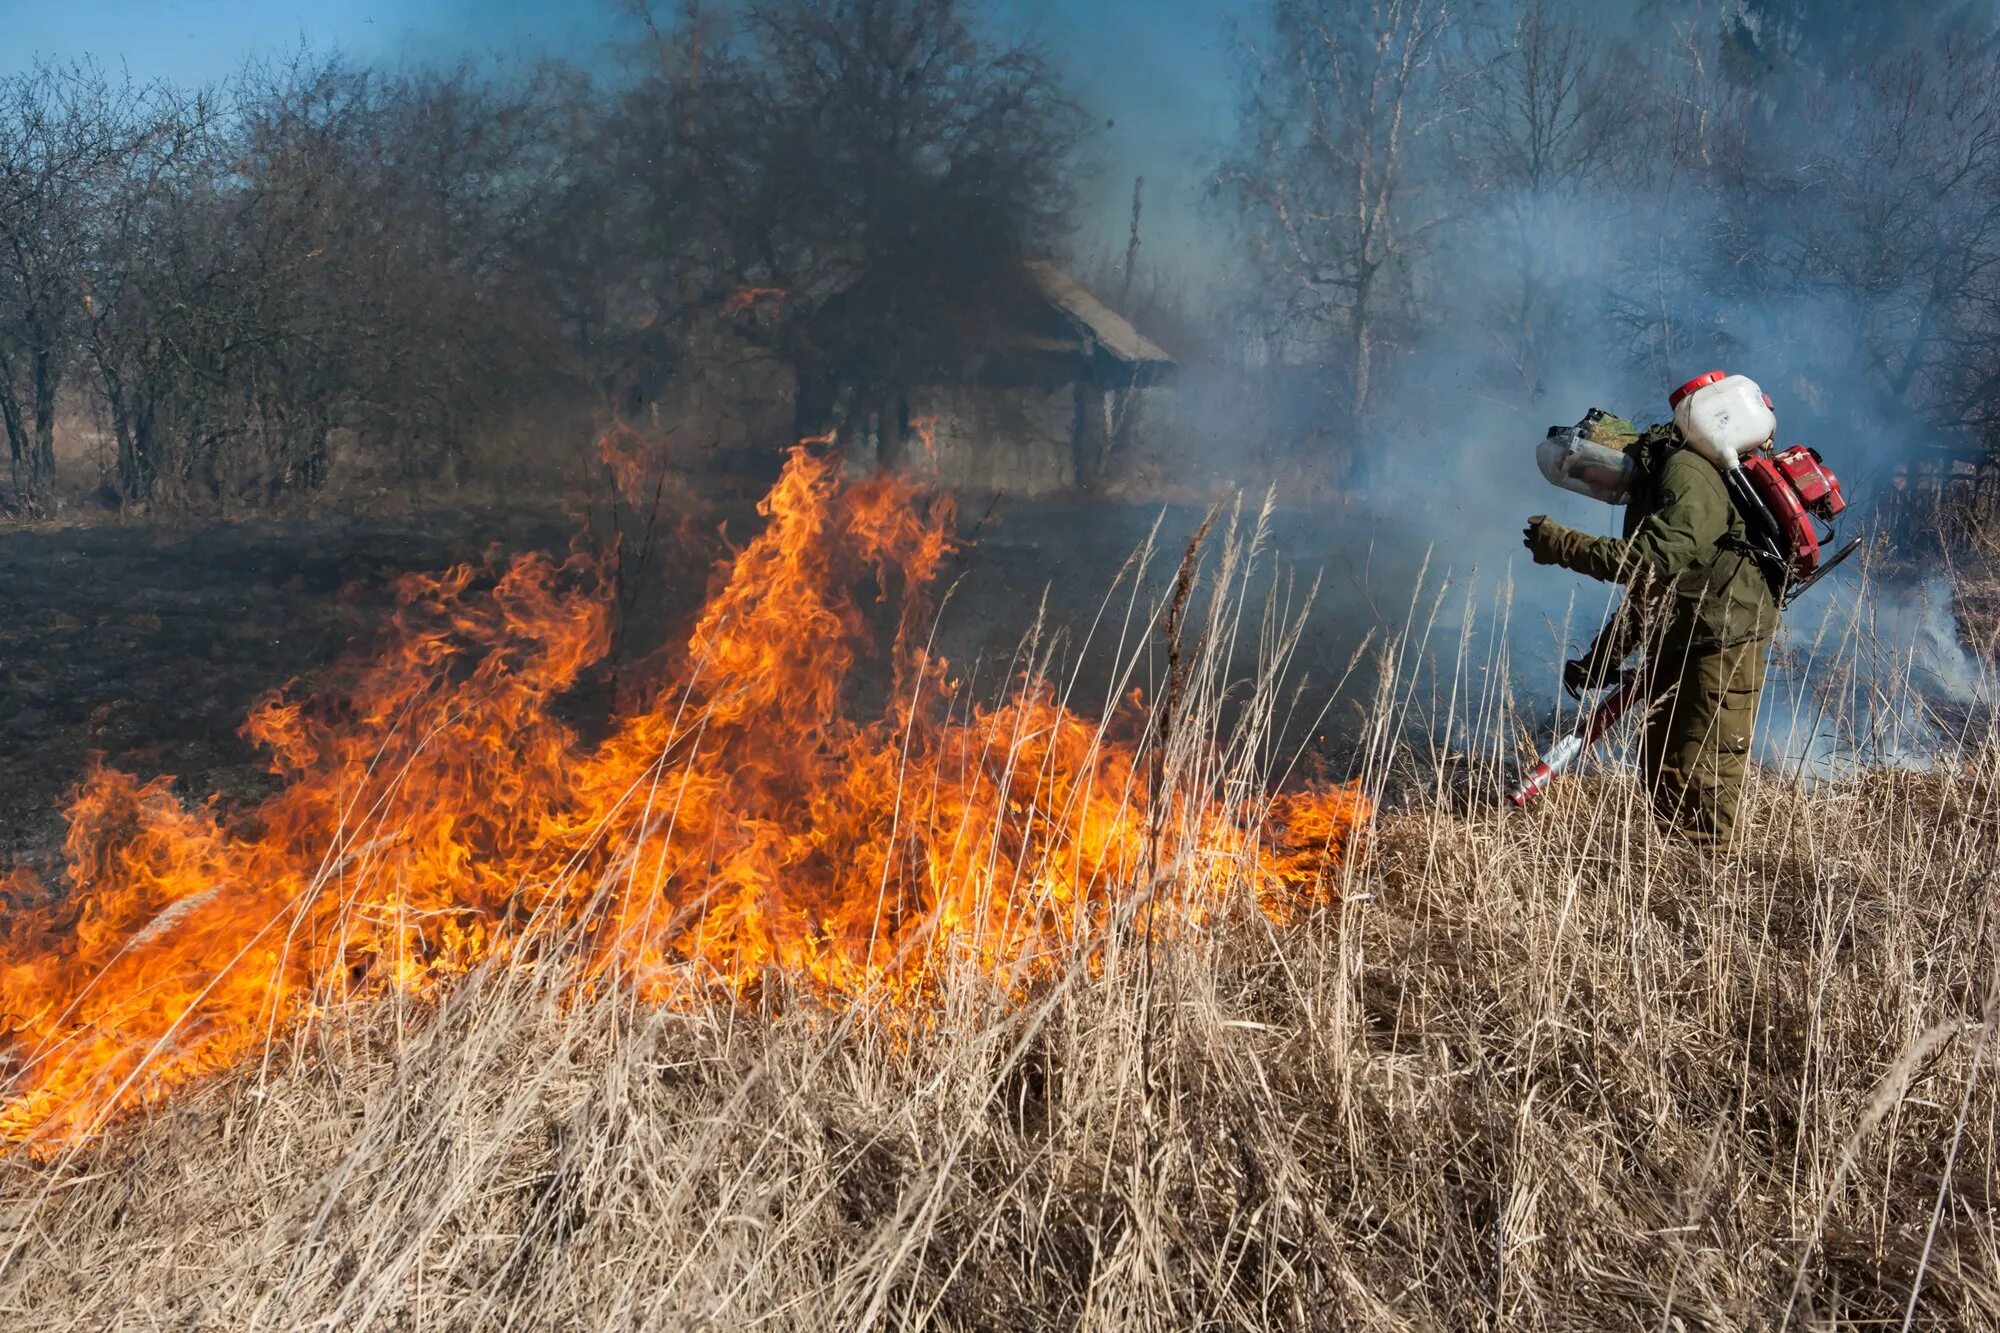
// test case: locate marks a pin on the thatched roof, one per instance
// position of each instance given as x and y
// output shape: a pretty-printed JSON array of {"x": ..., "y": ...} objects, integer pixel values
[
  {"x": 1025, "y": 323},
  {"x": 1111, "y": 331}
]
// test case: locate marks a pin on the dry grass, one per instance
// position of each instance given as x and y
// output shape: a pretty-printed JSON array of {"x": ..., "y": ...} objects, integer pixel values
[
  {"x": 1544, "y": 1071},
  {"x": 1976, "y": 594}
]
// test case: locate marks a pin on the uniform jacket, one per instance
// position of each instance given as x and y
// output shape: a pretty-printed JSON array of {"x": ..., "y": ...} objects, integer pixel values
[{"x": 1676, "y": 557}]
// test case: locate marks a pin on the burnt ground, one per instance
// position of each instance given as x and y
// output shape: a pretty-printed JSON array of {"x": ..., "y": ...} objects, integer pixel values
[{"x": 148, "y": 645}]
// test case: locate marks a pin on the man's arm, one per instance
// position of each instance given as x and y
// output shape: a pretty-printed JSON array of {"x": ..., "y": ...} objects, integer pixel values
[{"x": 1677, "y": 539}]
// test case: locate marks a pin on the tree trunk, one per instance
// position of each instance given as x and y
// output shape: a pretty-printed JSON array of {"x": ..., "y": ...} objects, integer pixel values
[
  {"x": 1364, "y": 367},
  {"x": 18, "y": 445},
  {"x": 891, "y": 432},
  {"x": 48, "y": 376},
  {"x": 130, "y": 483},
  {"x": 313, "y": 466}
]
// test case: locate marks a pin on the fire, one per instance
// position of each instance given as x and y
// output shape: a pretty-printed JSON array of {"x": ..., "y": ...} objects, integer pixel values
[
  {"x": 617, "y": 450},
  {"x": 755, "y": 817},
  {"x": 747, "y": 298},
  {"x": 926, "y": 429}
]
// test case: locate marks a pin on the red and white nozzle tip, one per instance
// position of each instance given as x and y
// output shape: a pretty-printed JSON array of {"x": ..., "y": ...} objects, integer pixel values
[{"x": 1538, "y": 780}]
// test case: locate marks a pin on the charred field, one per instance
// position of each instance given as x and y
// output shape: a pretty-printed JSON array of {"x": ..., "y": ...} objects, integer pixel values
[{"x": 148, "y": 646}]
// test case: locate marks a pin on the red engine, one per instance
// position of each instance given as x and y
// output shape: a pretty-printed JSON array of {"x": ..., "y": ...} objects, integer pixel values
[{"x": 1797, "y": 488}]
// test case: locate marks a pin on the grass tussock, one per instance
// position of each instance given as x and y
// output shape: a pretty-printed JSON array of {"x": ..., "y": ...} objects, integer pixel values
[{"x": 1549, "y": 1071}]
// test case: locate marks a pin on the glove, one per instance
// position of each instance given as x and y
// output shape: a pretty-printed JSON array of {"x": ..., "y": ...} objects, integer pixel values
[
  {"x": 1579, "y": 674},
  {"x": 1541, "y": 538},
  {"x": 1596, "y": 669}
]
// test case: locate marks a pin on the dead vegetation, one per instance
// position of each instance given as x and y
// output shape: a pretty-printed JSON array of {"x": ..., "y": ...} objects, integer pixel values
[
  {"x": 1547, "y": 1071},
  {"x": 1976, "y": 586},
  {"x": 1552, "y": 1071}
]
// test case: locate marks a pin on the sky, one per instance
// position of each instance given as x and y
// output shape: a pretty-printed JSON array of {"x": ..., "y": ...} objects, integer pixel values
[{"x": 1157, "y": 75}]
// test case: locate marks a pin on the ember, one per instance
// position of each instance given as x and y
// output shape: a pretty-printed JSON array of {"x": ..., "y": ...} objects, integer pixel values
[{"x": 742, "y": 822}]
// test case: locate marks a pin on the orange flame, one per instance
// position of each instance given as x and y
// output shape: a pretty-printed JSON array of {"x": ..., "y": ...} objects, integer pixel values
[
  {"x": 746, "y": 298},
  {"x": 620, "y": 451},
  {"x": 748, "y": 819},
  {"x": 926, "y": 429}
]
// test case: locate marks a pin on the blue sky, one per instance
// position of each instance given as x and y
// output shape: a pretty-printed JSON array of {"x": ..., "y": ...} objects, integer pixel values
[{"x": 1157, "y": 74}]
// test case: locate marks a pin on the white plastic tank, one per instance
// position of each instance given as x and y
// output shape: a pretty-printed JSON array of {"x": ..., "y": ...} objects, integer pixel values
[{"x": 1723, "y": 417}]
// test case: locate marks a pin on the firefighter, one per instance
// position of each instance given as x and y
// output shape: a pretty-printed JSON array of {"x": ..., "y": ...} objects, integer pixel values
[{"x": 1696, "y": 602}]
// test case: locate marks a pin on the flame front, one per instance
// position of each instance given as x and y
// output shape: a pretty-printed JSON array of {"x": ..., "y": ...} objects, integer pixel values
[{"x": 747, "y": 818}]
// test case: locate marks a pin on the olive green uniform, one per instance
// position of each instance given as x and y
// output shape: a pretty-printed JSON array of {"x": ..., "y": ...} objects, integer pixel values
[{"x": 1701, "y": 608}]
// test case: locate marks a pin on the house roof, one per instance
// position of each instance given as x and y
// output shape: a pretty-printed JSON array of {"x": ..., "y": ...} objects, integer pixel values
[{"x": 1112, "y": 331}]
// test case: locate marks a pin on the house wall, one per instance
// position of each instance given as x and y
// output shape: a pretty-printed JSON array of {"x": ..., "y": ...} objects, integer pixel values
[
  {"x": 1015, "y": 440},
  {"x": 724, "y": 401}
]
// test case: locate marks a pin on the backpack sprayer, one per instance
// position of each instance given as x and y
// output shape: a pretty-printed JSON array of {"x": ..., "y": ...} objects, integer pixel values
[
  {"x": 1728, "y": 420},
  {"x": 1782, "y": 498}
]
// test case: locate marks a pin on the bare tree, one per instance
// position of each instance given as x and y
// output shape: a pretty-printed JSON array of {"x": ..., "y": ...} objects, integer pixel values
[
  {"x": 1339, "y": 175},
  {"x": 65, "y": 134},
  {"x": 885, "y": 164},
  {"x": 1549, "y": 134},
  {"x": 1896, "y": 215},
  {"x": 319, "y": 252},
  {"x": 153, "y": 261},
  {"x": 333, "y": 251}
]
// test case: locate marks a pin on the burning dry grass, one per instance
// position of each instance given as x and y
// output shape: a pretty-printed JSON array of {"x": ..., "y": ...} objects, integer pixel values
[
  {"x": 745, "y": 818},
  {"x": 1470, "y": 1070},
  {"x": 1544, "y": 1072}
]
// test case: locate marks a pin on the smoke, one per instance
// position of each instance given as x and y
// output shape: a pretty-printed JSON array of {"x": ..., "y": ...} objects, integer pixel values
[
  {"x": 1872, "y": 675},
  {"x": 1786, "y": 190}
]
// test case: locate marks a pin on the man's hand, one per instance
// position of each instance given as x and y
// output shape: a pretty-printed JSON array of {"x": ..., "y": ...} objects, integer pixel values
[
  {"x": 1579, "y": 674},
  {"x": 1540, "y": 537}
]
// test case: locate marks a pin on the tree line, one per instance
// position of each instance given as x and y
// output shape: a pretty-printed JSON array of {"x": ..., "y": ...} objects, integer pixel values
[
  {"x": 1512, "y": 194},
  {"x": 235, "y": 276},
  {"x": 1523, "y": 198}
]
